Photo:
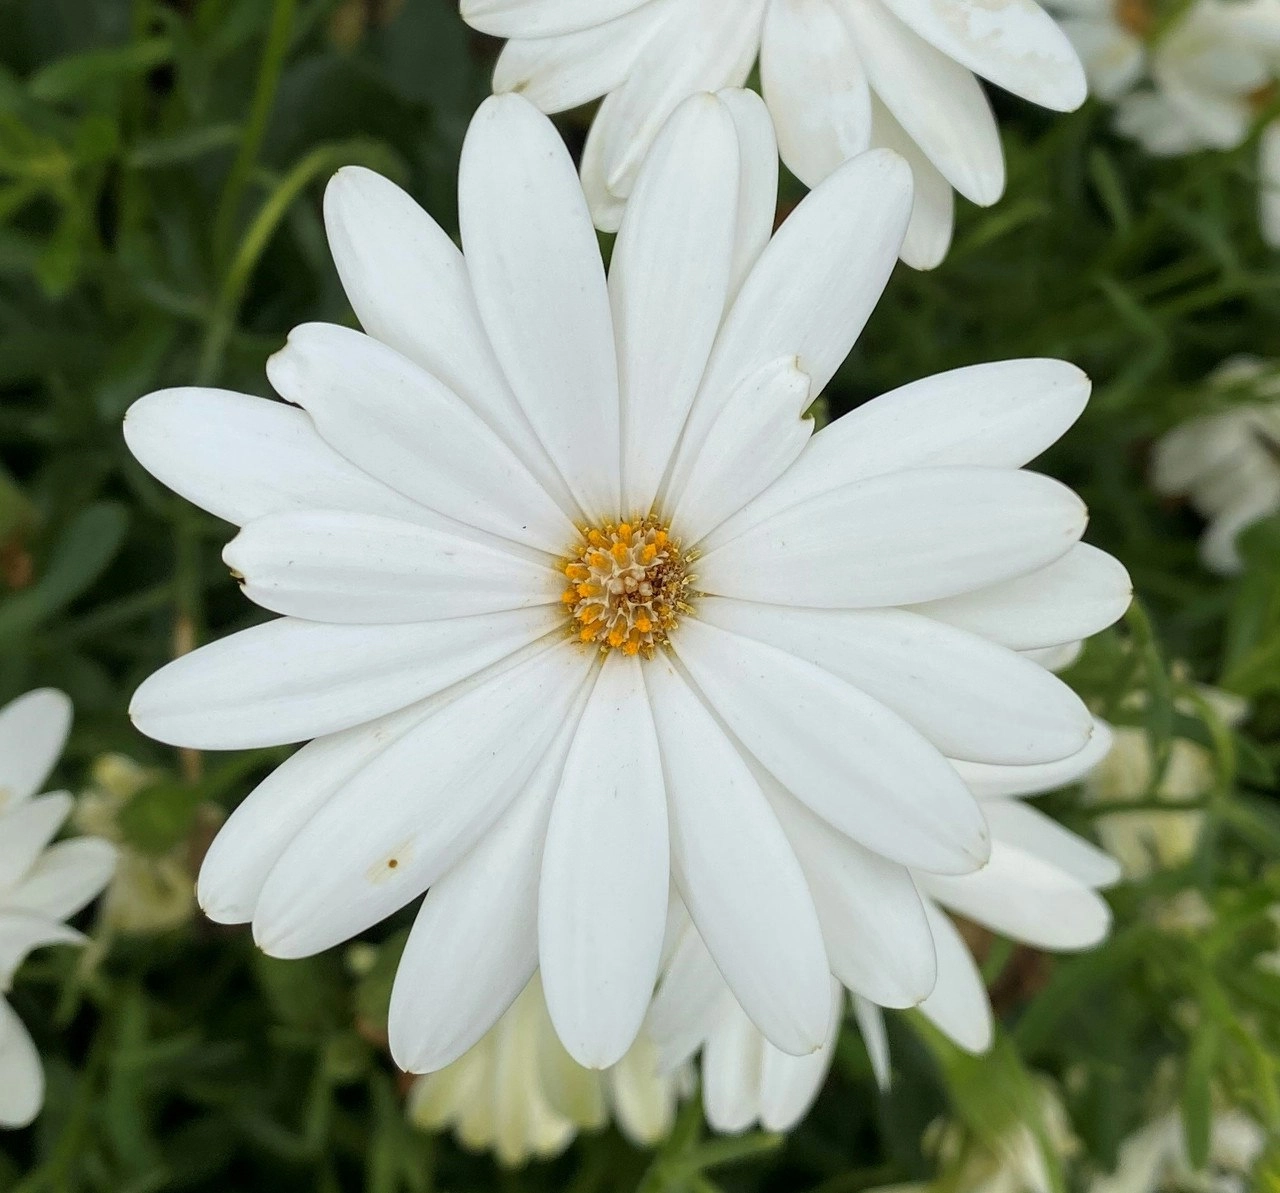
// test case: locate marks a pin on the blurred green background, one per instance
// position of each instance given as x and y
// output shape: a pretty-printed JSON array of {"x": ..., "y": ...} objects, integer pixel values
[{"x": 161, "y": 166}]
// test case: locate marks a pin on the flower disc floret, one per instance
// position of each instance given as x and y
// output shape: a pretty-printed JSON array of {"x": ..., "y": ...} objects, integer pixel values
[{"x": 629, "y": 583}]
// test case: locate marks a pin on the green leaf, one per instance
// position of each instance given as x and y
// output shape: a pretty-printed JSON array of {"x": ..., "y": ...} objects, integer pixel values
[
  {"x": 1197, "y": 1094},
  {"x": 73, "y": 77}
]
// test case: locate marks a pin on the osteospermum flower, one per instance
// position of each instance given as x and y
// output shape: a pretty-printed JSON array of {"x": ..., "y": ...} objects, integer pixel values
[
  {"x": 1039, "y": 888},
  {"x": 561, "y": 561},
  {"x": 41, "y": 885},
  {"x": 1227, "y": 463},
  {"x": 521, "y": 1095},
  {"x": 839, "y": 76}
]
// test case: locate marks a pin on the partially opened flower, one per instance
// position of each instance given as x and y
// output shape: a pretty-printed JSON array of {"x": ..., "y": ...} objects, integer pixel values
[
  {"x": 521, "y": 1095},
  {"x": 1155, "y": 1158},
  {"x": 564, "y": 572},
  {"x": 1227, "y": 463},
  {"x": 41, "y": 885},
  {"x": 1039, "y": 888},
  {"x": 839, "y": 76}
]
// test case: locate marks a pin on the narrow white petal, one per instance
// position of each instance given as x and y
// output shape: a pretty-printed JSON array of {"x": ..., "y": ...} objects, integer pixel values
[
  {"x": 1030, "y": 830},
  {"x": 1015, "y": 44},
  {"x": 737, "y": 873},
  {"x": 877, "y": 935},
  {"x": 933, "y": 214},
  {"x": 789, "y": 1085},
  {"x": 540, "y": 287},
  {"x": 33, "y": 730},
  {"x": 362, "y": 569},
  {"x": 999, "y": 415},
  {"x": 1055, "y": 658},
  {"x": 21, "y": 1074},
  {"x": 937, "y": 101},
  {"x": 970, "y": 698},
  {"x": 607, "y": 209},
  {"x": 290, "y": 680},
  {"x": 1075, "y": 596},
  {"x": 408, "y": 285},
  {"x": 474, "y": 945},
  {"x": 21, "y": 932},
  {"x": 959, "y": 1005},
  {"x": 411, "y": 431},
  {"x": 25, "y": 830},
  {"x": 65, "y": 879},
  {"x": 732, "y": 1064},
  {"x": 669, "y": 283},
  {"x": 536, "y": 18},
  {"x": 685, "y": 1009},
  {"x": 900, "y": 539},
  {"x": 871, "y": 1023},
  {"x": 602, "y": 902},
  {"x": 812, "y": 289},
  {"x": 758, "y": 181},
  {"x": 242, "y": 458},
  {"x": 995, "y": 782},
  {"x": 568, "y": 70},
  {"x": 754, "y": 439},
  {"x": 815, "y": 86},
  {"x": 403, "y": 820},
  {"x": 857, "y": 765},
  {"x": 1020, "y": 896}
]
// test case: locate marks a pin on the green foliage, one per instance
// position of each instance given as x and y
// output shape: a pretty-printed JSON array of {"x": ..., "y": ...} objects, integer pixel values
[{"x": 161, "y": 165}]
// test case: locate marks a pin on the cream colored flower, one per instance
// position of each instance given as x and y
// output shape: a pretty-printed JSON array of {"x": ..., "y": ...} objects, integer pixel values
[
  {"x": 521, "y": 1095},
  {"x": 1155, "y": 1158}
]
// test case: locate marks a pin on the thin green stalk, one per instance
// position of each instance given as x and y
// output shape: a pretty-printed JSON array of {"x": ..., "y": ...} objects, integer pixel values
[{"x": 255, "y": 127}]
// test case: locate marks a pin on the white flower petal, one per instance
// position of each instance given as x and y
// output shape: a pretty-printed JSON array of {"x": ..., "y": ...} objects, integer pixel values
[
  {"x": 537, "y": 18},
  {"x": 999, "y": 415},
  {"x": 1020, "y": 896},
  {"x": 292, "y": 680},
  {"x": 21, "y": 932},
  {"x": 758, "y": 181},
  {"x": 1013, "y": 43},
  {"x": 607, "y": 209},
  {"x": 1030, "y": 830},
  {"x": 816, "y": 88},
  {"x": 970, "y": 698},
  {"x": 669, "y": 283},
  {"x": 705, "y": 46},
  {"x": 789, "y": 1085},
  {"x": 754, "y": 439},
  {"x": 1075, "y": 596},
  {"x": 407, "y": 428},
  {"x": 856, "y": 764},
  {"x": 408, "y": 285},
  {"x": 900, "y": 539},
  {"x": 332, "y": 566},
  {"x": 1269, "y": 183},
  {"x": 933, "y": 214},
  {"x": 1055, "y": 658},
  {"x": 732, "y": 1063},
  {"x": 959, "y": 1005},
  {"x": 474, "y": 945},
  {"x": 403, "y": 820},
  {"x": 65, "y": 878},
  {"x": 25, "y": 830},
  {"x": 737, "y": 874},
  {"x": 21, "y": 1074},
  {"x": 33, "y": 730},
  {"x": 258, "y": 832},
  {"x": 602, "y": 904},
  {"x": 812, "y": 289},
  {"x": 877, "y": 935},
  {"x": 568, "y": 70},
  {"x": 686, "y": 1007},
  {"x": 871, "y": 1023},
  {"x": 939, "y": 104},
  {"x": 242, "y": 458},
  {"x": 539, "y": 283},
  {"x": 995, "y": 782}
]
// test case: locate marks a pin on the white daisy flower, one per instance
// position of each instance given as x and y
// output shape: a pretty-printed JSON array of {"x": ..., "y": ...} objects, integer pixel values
[
  {"x": 560, "y": 562},
  {"x": 521, "y": 1095},
  {"x": 1228, "y": 463},
  {"x": 1039, "y": 888},
  {"x": 1155, "y": 1157},
  {"x": 41, "y": 885},
  {"x": 839, "y": 77}
]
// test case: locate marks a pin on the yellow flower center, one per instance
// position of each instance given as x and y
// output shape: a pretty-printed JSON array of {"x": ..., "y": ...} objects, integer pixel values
[{"x": 628, "y": 586}]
